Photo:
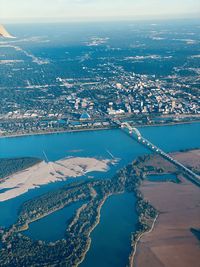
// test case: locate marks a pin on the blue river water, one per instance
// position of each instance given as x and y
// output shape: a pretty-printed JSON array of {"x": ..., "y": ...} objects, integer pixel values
[
  {"x": 111, "y": 239},
  {"x": 95, "y": 144},
  {"x": 52, "y": 227},
  {"x": 57, "y": 146},
  {"x": 90, "y": 144}
]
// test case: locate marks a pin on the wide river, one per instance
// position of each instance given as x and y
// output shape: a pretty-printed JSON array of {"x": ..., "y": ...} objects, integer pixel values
[{"x": 116, "y": 221}]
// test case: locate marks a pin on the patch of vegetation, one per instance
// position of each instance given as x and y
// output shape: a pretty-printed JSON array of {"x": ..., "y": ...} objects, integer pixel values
[
  {"x": 10, "y": 166},
  {"x": 20, "y": 250}
]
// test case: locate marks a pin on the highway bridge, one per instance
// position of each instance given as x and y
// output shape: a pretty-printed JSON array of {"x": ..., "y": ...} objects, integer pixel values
[{"x": 135, "y": 133}]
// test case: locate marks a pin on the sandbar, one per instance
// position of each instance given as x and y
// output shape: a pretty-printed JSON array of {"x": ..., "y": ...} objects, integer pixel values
[{"x": 44, "y": 173}]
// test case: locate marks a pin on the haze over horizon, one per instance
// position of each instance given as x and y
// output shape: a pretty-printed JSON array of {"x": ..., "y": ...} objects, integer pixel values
[{"x": 94, "y": 10}]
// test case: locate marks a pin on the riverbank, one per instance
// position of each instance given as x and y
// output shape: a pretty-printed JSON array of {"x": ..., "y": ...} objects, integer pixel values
[
  {"x": 55, "y": 132},
  {"x": 93, "y": 129},
  {"x": 77, "y": 235},
  {"x": 134, "y": 250},
  {"x": 171, "y": 241},
  {"x": 92, "y": 228},
  {"x": 128, "y": 178}
]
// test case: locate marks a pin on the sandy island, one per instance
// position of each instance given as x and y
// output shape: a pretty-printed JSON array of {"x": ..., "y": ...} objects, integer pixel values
[
  {"x": 171, "y": 243},
  {"x": 44, "y": 173}
]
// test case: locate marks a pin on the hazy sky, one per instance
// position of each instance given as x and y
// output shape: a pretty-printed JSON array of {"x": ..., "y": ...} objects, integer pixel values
[{"x": 94, "y": 9}]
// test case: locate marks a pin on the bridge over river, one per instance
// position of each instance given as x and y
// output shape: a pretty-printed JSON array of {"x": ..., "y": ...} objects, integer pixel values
[{"x": 135, "y": 133}]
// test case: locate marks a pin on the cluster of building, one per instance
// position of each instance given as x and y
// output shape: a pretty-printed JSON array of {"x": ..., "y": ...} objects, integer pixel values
[
  {"x": 81, "y": 103},
  {"x": 37, "y": 100}
]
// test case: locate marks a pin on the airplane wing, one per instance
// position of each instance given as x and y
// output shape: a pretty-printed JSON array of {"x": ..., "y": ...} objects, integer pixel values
[{"x": 4, "y": 33}]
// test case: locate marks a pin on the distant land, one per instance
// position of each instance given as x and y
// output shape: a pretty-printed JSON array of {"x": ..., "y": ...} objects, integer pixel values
[{"x": 4, "y": 33}]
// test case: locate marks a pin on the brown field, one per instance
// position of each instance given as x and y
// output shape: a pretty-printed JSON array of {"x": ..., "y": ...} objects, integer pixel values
[{"x": 171, "y": 243}]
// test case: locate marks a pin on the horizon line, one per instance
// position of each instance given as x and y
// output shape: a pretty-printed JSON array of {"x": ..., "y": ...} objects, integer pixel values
[{"x": 191, "y": 16}]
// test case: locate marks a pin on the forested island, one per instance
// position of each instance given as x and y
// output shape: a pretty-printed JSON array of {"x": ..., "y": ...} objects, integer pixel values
[{"x": 19, "y": 250}]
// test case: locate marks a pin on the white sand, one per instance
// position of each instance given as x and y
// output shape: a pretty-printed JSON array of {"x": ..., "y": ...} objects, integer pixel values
[{"x": 44, "y": 173}]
